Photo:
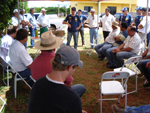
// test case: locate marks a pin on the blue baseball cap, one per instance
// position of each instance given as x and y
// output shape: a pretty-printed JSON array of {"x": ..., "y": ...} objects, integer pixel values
[
  {"x": 139, "y": 8},
  {"x": 124, "y": 9}
]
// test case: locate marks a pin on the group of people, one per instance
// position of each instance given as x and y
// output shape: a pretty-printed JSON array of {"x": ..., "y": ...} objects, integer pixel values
[{"x": 53, "y": 90}]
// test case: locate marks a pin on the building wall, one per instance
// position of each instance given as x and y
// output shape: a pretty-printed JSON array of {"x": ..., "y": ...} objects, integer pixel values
[{"x": 119, "y": 4}]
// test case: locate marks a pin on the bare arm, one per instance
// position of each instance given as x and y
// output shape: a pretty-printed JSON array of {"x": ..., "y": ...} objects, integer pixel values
[{"x": 145, "y": 53}]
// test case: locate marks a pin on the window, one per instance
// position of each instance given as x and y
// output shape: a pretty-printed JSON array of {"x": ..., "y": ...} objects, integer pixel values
[
  {"x": 112, "y": 10},
  {"x": 88, "y": 8}
]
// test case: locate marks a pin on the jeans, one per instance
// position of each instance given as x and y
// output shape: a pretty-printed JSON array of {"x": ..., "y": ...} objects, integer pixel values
[
  {"x": 79, "y": 89},
  {"x": 81, "y": 31},
  {"x": 32, "y": 32},
  {"x": 26, "y": 74},
  {"x": 148, "y": 38},
  {"x": 75, "y": 37},
  {"x": 140, "y": 109},
  {"x": 93, "y": 33},
  {"x": 105, "y": 47},
  {"x": 98, "y": 49},
  {"x": 109, "y": 56},
  {"x": 145, "y": 70},
  {"x": 139, "y": 65},
  {"x": 120, "y": 56},
  {"x": 105, "y": 34}
]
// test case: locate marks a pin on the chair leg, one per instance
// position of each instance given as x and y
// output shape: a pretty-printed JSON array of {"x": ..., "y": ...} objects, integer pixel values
[
  {"x": 15, "y": 86},
  {"x": 98, "y": 95},
  {"x": 7, "y": 76},
  {"x": 126, "y": 97},
  {"x": 119, "y": 98},
  {"x": 4, "y": 76},
  {"x": 2, "y": 105},
  {"x": 101, "y": 103},
  {"x": 136, "y": 82}
]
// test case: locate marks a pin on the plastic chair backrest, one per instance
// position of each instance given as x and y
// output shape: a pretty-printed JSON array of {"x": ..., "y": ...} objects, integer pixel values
[
  {"x": 135, "y": 59},
  {"x": 3, "y": 53}
]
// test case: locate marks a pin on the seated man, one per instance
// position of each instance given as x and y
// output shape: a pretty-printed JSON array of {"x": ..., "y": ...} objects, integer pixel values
[
  {"x": 119, "y": 39},
  {"x": 19, "y": 57},
  {"x": 49, "y": 94},
  {"x": 130, "y": 48},
  {"x": 108, "y": 41},
  {"x": 140, "y": 109},
  {"x": 42, "y": 64}
]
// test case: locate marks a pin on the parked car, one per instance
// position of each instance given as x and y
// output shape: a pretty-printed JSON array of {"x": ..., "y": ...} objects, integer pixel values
[
  {"x": 85, "y": 13},
  {"x": 117, "y": 16},
  {"x": 101, "y": 15}
]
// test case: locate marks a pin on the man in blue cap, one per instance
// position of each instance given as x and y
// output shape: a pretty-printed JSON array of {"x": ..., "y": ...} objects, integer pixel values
[
  {"x": 139, "y": 16},
  {"x": 125, "y": 17},
  {"x": 73, "y": 27},
  {"x": 81, "y": 30}
]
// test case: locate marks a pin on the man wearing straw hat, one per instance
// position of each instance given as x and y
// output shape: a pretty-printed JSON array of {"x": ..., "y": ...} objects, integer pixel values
[
  {"x": 43, "y": 21},
  {"x": 92, "y": 21},
  {"x": 42, "y": 66}
]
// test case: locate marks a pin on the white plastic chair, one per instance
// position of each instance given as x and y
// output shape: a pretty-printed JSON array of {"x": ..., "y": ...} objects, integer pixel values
[
  {"x": 133, "y": 62},
  {"x": 3, "y": 63},
  {"x": 89, "y": 51},
  {"x": 16, "y": 78},
  {"x": 113, "y": 87},
  {"x": 4, "y": 103}
]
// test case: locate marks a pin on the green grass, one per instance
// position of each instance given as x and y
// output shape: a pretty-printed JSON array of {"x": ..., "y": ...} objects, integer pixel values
[{"x": 89, "y": 75}]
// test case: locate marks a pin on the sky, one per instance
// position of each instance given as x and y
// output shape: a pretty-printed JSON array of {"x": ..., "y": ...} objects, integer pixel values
[{"x": 55, "y": 3}]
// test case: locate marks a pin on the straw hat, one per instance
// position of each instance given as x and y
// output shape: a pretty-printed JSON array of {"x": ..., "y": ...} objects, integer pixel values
[
  {"x": 43, "y": 9},
  {"x": 48, "y": 41},
  {"x": 115, "y": 23},
  {"x": 92, "y": 10}
]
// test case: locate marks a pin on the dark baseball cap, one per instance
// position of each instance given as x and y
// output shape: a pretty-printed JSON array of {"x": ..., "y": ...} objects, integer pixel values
[
  {"x": 69, "y": 56},
  {"x": 73, "y": 8},
  {"x": 79, "y": 10}
]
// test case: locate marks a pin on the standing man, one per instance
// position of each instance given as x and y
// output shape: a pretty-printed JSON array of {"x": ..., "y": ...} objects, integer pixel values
[
  {"x": 81, "y": 30},
  {"x": 106, "y": 23},
  {"x": 126, "y": 17},
  {"x": 139, "y": 16},
  {"x": 92, "y": 21},
  {"x": 43, "y": 21},
  {"x": 32, "y": 28},
  {"x": 15, "y": 18},
  {"x": 72, "y": 22}
]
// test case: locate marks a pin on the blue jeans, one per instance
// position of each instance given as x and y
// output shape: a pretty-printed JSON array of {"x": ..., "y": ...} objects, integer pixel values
[
  {"x": 75, "y": 37},
  {"x": 105, "y": 47},
  {"x": 120, "y": 56},
  {"x": 148, "y": 38},
  {"x": 79, "y": 89},
  {"x": 26, "y": 74},
  {"x": 98, "y": 48},
  {"x": 109, "y": 56},
  {"x": 32, "y": 32},
  {"x": 145, "y": 70},
  {"x": 140, "y": 109},
  {"x": 93, "y": 33},
  {"x": 139, "y": 65}
]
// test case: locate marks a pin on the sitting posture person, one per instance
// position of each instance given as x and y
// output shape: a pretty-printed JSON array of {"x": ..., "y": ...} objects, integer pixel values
[
  {"x": 119, "y": 39},
  {"x": 140, "y": 109},
  {"x": 49, "y": 94},
  {"x": 109, "y": 40},
  {"x": 19, "y": 57},
  {"x": 130, "y": 48},
  {"x": 42, "y": 64}
]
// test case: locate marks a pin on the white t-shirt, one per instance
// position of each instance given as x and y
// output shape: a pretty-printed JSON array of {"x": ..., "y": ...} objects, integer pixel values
[
  {"x": 19, "y": 56},
  {"x": 110, "y": 37},
  {"x": 56, "y": 82},
  {"x": 21, "y": 18},
  {"x": 6, "y": 41},
  {"x": 14, "y": 21},
  {"x": 143, "y": 22},
  {"x": 107, "y": 22},
  {"x": 134, "y": 43},
  {"x": 92, "y": 21},
  {"x": 43, "y": 20}
]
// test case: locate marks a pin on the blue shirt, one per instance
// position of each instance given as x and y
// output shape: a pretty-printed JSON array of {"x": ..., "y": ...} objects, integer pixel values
[
  {"x": 32, "y": 20},
  {"x": 125, "y": 34},
  {"x": 128, "y": 19},
  {"x": 82, "y": 18},
  {"x": 73, "y": 21},
  {"x": 138, "y": 19}
]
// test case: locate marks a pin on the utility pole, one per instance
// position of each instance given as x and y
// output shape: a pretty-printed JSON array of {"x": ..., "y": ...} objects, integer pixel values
[
  {"x": 58, "y": 10},
  {"x": 66, "y": 10}
]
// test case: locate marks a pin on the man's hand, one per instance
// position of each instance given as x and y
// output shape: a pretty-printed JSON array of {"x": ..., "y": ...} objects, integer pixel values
[
  {"x": 77, "y": 28},
  {"x": 147, "y": 65},
  {"x": 69, "y": 25},
  {"x": 84, "y": 111},
  {"x": 116, "y": 50},
  {"x": 117, "y": 38}
]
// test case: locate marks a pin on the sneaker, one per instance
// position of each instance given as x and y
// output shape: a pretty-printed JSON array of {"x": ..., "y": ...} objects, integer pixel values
[
  {"x": 115, "y": 109},
  {"x": 111, "y": 66},
  {"x": 147, "y": 84}
]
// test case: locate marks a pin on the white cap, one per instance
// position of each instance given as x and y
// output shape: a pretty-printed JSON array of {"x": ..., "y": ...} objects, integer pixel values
[
  {"x": 43, "y": 9},
  {"x": 15, "y": 11}
]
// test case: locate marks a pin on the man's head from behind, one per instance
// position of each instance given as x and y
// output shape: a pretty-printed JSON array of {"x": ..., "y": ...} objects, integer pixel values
[
  {"x": 12, "y": 30},
  {"x": 22, "y": 35},
  {"x": 123, "y": 26},
  {"x": 131, "y": 30},
  {"x": 66, "y": 59}
]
